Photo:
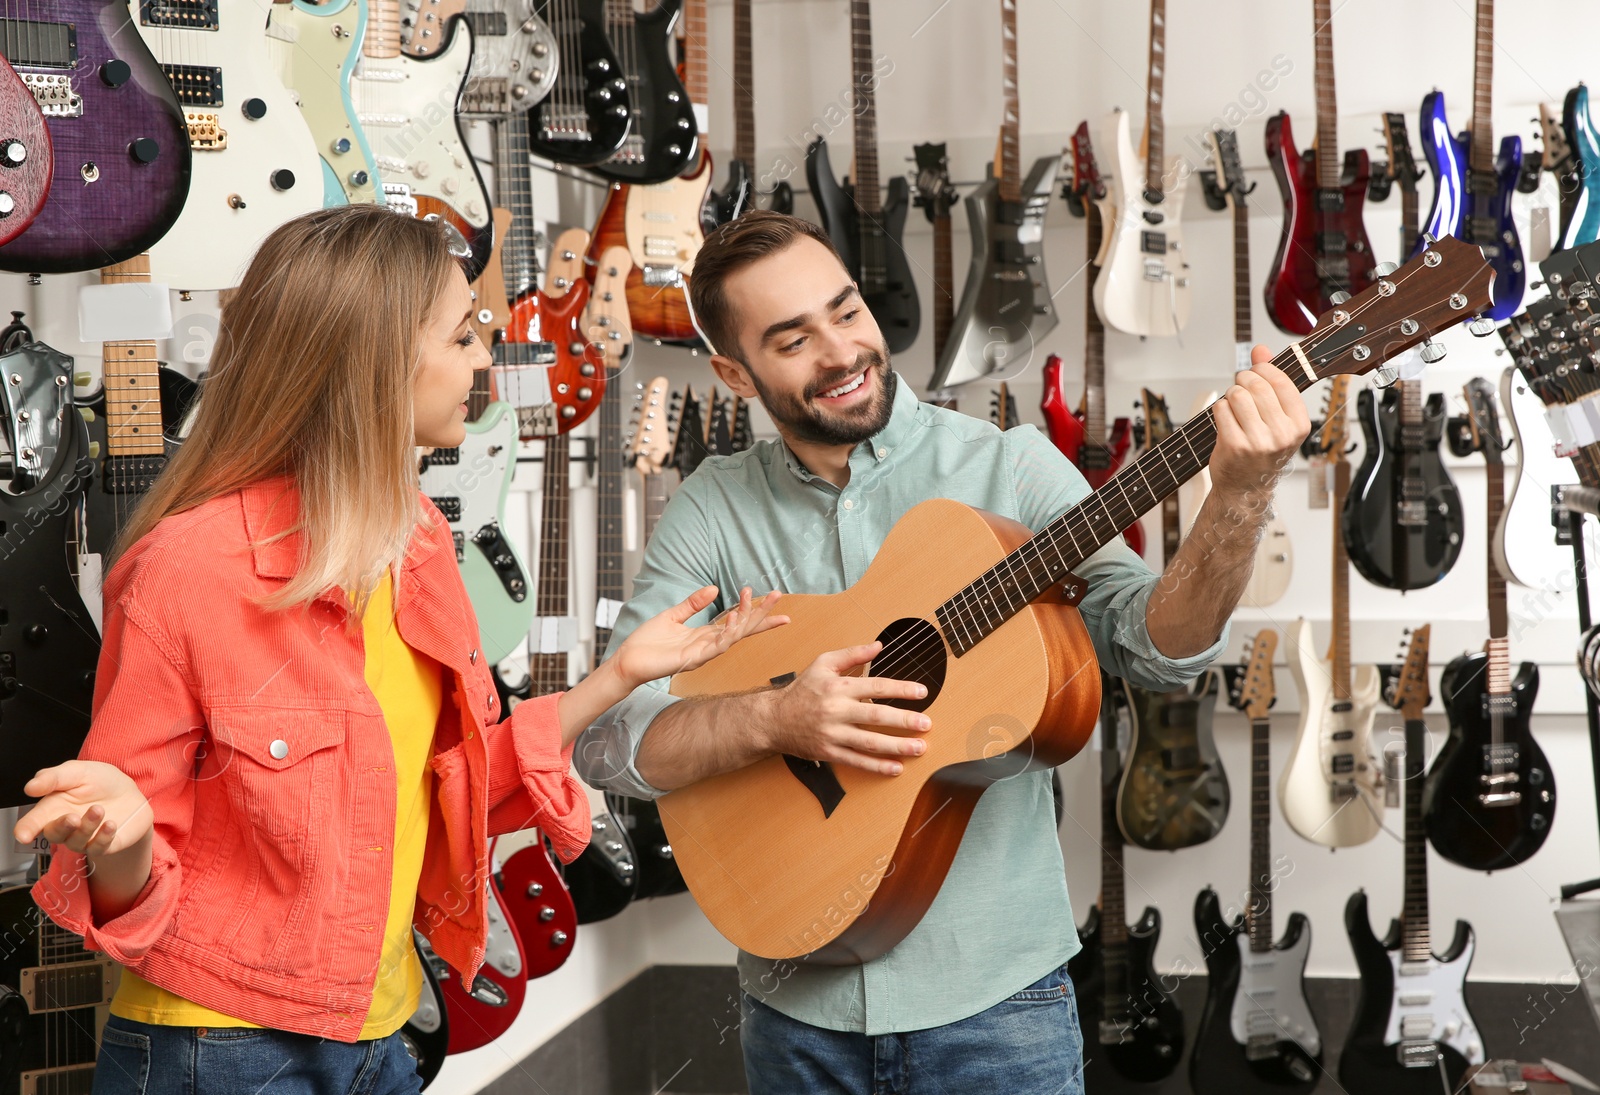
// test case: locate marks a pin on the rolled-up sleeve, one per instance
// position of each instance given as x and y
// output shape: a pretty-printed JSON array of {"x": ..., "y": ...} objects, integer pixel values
[
  {"x": 1120, "y": 584},
  {"x": 145, "y": 721},
  {"x": 679, "y": 559},
  {"x": 530, "y": 777}
]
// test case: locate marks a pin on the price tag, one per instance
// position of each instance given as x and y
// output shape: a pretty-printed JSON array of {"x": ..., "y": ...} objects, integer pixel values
[
  {"x": 555, "y": 634},
  {"x": 1320, "y": 480},
  {"x": 606, "y": 611},
  {"x": 135, "y": 312}
]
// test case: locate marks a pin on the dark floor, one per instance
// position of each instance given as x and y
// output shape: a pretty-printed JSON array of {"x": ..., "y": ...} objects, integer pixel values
[{"x": 675, "y": 1029}]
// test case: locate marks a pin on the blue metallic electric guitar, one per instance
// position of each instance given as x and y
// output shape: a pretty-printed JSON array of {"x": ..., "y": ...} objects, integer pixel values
[
  {"x": 1472, "y": 187},
  {"x": 1585, "y": 145}
]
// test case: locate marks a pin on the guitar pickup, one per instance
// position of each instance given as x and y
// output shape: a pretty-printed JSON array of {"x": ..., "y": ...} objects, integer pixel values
[
  {"x": 1344, "y": 763},
  {"x": 1153, "y": 243},
  {"x": 1500, "y": 779},
  {"x": 662, "y": 247},
  {"x": 188, "y": 14},
  {"x": 195, "y": 85},
  {"x": 66, "y": 986},
  {"x": 205, "y": 131},
  {"x": 663, "y": 277},
  {"x": 1417, "y": 1054},
  {"x": 460, "y": 539},
  {"x": 1115, "y": 1032},
  {"x": 1262, "y": 1047},
  {"x": 450, "y": 507},
  {"x": 1500, "y": 798},
  {"x": 54, "y": 94}
]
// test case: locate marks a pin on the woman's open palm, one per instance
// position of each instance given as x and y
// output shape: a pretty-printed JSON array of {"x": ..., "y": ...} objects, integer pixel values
[
  {"x": 662, "y": 645},
  {"x": 86, "y": 805}
]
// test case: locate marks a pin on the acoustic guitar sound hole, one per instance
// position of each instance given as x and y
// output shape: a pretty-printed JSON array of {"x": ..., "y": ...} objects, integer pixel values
[{"x": 913, "y": 650}]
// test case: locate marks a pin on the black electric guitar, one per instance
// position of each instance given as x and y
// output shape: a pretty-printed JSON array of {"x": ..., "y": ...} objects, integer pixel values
[
  {"x": 740, "y": 193},
  {"x": 1490, "y": 796},
  {"x": 1131, "y": 1027},
  {"x": 1402, "y": 518},
  {"x": 1412, "y": 1033},
  {"x": 585, "y": 117},
  {"x": 1174, "y": 791},
  {"x": 662, "y": 140},
  {"x": 1257, "y": 1032},
  {"x": 865, "y": 229},
  {"x": 426, "y": 1035},
  {"x": 49, "y": 646}
]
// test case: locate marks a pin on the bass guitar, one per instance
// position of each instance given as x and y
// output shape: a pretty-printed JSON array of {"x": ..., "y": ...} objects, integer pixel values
[
  {"x": 1257, "y": 1032},
  {"x": 50, "y": 646},
  {"x": 1330, "y": 788},
  {"x": 1472, "y": 186},
  {"x": 1585, "y": 144},
  {"x": 1131, "y": 1027},
  {"x": 1402, "y": 518},
  {"x": 1323, "y": 250},
  {"x": 255, "y": 160},
  {"x": 30, "y": 158},
  {"x": 740, "y": 193},
  {"x": 513, "y": 51},
  {"x": 935, "y": 196},
  {"x": 585, "y": 117},
  {"x": 1143, "y": 285},
  {"x": 1081, "y": 435},
  {"x": 663, "y": 137},
  {"x": 1006, "y": 307},
  {"x": 1174, "y": 793},
  {"x": 970, "y": 606},
  {"x": 1412, "y": 1033},
  {"x": 119, "y": 145},
  {"x": 662, "y": 225},
  {"x": 867, "y": 230},
  {"x": 1491, "y": 794},
  {"x": 421, "y": 152},
  {"x": 316, "y": 57}
]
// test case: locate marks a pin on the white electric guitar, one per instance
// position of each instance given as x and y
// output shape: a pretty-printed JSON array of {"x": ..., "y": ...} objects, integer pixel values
[
  {"x": 255, "y": 162},
  {"x": 1525, "y": 546},
  {"x": 1330, "y": 790},
  {"x": 1143, "y": 286}
]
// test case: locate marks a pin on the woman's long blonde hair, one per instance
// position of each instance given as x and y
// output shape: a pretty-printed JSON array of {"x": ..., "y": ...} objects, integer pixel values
[{"x": 311, "y": 377}]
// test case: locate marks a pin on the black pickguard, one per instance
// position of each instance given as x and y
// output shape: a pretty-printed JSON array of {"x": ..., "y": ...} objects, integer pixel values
[
  {"x": 662, "y": 141},
  {"x": 1218, "y": 1065},
  {"x": 1365, "y": 1063},
  {"x": 591, "y": 97},
  {"x": 1385, "y": 552},
  {"x": 1154, "y": 1043},
  {"x": 886, "y": 286},
  {"x": 1461, "y": 828}
]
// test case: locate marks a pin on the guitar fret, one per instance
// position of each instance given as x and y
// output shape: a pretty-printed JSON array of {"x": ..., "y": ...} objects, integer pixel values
[
  {"x": 1327, "y": 150},
  {"x": 1094, "y": 362},
  {"x": 744, "y": 105},
  {"x": 1155, "y": 128},
  {"x": 1481, "y": 154},
  {"x": 1010, "y": 168},
  {"x": 1241, "y": 271}
]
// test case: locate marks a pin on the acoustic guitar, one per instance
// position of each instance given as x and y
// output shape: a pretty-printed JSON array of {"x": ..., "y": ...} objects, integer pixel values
[{"x": 790, "y": 856}]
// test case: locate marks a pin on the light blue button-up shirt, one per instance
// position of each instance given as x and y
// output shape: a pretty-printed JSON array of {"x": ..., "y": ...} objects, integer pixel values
[{"x": 760, "y": 519}]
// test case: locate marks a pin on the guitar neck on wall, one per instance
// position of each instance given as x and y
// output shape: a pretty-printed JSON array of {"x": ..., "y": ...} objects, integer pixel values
[
  {"x": 740, "y": 194},
  {"x": 936, "y": 196}
]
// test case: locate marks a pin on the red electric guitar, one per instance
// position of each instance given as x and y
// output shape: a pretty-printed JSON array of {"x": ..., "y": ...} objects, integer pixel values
[
  {"x": 540, "y": 907},
  {"x": 1081, "y": 434},
  {"x": 481, "y": 1012}
]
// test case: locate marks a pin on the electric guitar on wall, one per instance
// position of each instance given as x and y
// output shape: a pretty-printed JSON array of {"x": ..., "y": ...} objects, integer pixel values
[
  {"x": 739, "y": 194},
  {"x": 1257, "y": 1033},
  {"x": 662, "y": 140},
  {"x": 1585, "y": 146},
  {"x": 1491, "y": 795},
  {"x": 31, "y": 157},
  {"x": 1558, "y": 159},
  {"x": 1143, "y": 285},
  {"x": 119, "y": 147},
  {"x": 1081, "y": 435},
  {"x": 934, "y": 195},
  {"x": 1330, "y": 788},
  {"x": 513, "y": 51},
  {"x": 865, "y": 228},
  {"x": 1323, "y": 250},
  {"x": 1131, "y": 1027},
  {"x": 1174, "y": 793},
  {"x": 483, "y": 1011},
  {"x": 1403, "y": 170},
  {"x": 1472, "y": 186},
  {"x": 585, "y": 117},
  {"x": 1524, "y": 545},
  {"x": 661, "y": 225},
  {"x": 971, "y": 607},
  {"x": 1412, "y": 1032},
  {"x": 1006, "y": 307}
]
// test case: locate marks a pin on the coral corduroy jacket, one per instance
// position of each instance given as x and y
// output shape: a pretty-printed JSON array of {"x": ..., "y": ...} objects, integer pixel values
[{"x": 269, "y": 770}]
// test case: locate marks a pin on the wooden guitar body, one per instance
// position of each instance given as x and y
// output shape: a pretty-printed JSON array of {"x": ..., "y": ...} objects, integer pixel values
[
  {"x": 847, "y": 881},
  {"x": 1387, "y": 550},
  {"x": 1303, "y": 275},
  {"x": 1370, "y": 1059},
  {"x": 1174, "y": 793},
  {"x": 1143, "y": 284},
  {"x": 513, "y": 51},
  {"x": 121, "y": 150},
  {"x": 1585, "y": 144},
  {"x": 1306, "y": 788},
  {"x": 1460, "y": 826},
  {"x": 1222, "y": 1063},
  {"x": 1151, "y": 1047},
  {"x": 662, "y": 228}
]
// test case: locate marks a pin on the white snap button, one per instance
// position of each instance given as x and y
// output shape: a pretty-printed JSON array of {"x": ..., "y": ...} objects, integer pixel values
[
  {"x": 882, "y": 453},
  {"x": 279, "y": 749},
  {"x": 849, "y": 503}
]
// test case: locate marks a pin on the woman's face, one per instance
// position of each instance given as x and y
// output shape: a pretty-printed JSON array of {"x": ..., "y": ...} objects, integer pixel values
[{"x": 451, "y": 353}]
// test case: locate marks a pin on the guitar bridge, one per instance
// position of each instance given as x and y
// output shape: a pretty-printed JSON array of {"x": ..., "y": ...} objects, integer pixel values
[
  {"x": 663, "y": 277},
  {"x": 1114, "y": 1032},
  {"x": 1417, "y": 1054},
  {"x": 1412, "y": 515},
  {"x": 205, "y": 130},
  {"x": 1261, "y": 1047},
  {"x": 54, "y": 94},
  {"x": 1500, "y": 798},
  {"x": 487, "y": 94}
]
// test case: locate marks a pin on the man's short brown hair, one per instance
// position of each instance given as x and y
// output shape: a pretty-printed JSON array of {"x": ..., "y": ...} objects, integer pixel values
[{"x": 729, "y": 249}]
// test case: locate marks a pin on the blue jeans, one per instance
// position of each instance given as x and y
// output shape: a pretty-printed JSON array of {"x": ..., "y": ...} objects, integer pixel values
[
  {"x": 145, "y": 1059},
  {"x": 1028, "y": 1044}
]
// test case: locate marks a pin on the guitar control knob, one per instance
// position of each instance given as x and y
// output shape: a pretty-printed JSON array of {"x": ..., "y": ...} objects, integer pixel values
[
  {"x": 283, "y": 179},
  {"x": 450, "y": 185},
  {"x": 421, "y": 169},
  {"x": 361, "y": 178},
  {"x": 585, "y": 393},
  {"x": 341, "y": 146},
  {"x": 558, "y": 939},
  {"x": 546, "y": 913},
  {"x": 535, "y": 889},
  {"x": 575, "y": 348},
  {"x": 13, "y": 153},
  {"x": 8, "y": 204},
  {"x": 37, "y": 634},
  {"x": 254, "y": 109},
  {"x": 144, "y": 150},
  {"x": 586, "y": 369},
  {"x": 115, "y": 73}
]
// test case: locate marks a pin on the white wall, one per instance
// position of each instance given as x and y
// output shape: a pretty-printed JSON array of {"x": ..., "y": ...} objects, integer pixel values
[{"x": 1078, "y": 59}]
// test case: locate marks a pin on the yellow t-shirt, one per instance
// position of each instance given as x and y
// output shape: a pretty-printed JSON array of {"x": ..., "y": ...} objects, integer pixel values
[{"x": 409, "y": 687}]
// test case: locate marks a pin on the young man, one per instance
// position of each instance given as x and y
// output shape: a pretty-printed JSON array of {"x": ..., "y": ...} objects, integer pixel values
[{"x": 976, "y": 996}]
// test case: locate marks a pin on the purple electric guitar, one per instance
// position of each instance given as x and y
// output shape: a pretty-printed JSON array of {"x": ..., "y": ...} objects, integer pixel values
[{"x": 121, "y": 146}]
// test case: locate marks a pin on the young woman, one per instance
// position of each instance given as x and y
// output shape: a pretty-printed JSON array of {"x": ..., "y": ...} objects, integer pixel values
[{"x": 297, "y": 751}]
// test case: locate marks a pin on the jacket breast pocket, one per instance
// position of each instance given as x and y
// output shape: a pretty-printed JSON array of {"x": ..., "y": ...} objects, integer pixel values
[{"x": 280, "y": 768}]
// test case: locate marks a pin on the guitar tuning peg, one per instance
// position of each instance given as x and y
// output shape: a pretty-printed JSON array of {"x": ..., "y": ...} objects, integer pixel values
[
  {"x": 1384, "y": 269},
  {"x": 1481, "y": 327},
  {"x": 1338, "y": 298},
  {"x": 1432, "y": 352}
]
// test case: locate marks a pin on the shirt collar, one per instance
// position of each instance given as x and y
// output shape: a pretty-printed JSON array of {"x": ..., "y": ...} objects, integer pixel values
[{"x": 879, "y": 447}]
